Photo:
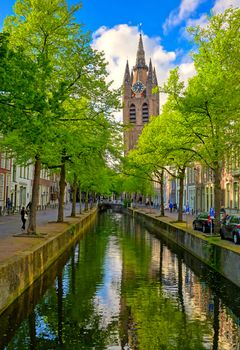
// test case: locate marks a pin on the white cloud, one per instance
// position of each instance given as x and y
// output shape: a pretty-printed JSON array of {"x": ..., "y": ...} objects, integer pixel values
[
  {"x": 186, "y": 71},
  {"x": 221, "y": 5},
  {"x": 120, "y": 44},
  {"x": 186, "y": 8},
  {"x": 202, "y": 21}
]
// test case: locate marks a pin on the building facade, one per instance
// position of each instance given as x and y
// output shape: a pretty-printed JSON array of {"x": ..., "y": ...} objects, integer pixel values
[
  {"x": 199, "y": 188},
  {"x": 5, "y": 179},
  {"x": 16, "y": 186},
  {"x": 139, "y": 101}
]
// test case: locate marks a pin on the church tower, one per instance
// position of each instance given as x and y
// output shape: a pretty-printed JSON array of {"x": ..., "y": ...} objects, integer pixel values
[{"x": 139, "y": 103}]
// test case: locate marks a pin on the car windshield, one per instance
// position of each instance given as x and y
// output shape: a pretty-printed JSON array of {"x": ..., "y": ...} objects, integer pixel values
[
  {"x": 203, "y": 215},
  {"x": 235, "y": 219}
]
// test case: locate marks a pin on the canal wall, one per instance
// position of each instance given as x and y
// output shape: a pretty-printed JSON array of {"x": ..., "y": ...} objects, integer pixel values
[
  {"x": 20, "y": 271},
  {"x": 210, "y": 250}
]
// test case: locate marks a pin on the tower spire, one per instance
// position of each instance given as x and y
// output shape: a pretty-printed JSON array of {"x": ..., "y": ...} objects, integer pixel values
[
  {"x": 155, "y": 82},
  {"x": 127, "y": 74},
  {"x": 150, "y": 72},
  {"x": 140, "y": 61}
]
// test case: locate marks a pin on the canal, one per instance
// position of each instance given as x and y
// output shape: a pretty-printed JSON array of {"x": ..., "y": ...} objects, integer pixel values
[{"x": 122, "y": 287}]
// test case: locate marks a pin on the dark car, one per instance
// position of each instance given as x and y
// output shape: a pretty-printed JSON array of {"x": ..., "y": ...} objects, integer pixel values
[
  {"x": 202, "y": 223},
  {"x": 230, "y": 228}
]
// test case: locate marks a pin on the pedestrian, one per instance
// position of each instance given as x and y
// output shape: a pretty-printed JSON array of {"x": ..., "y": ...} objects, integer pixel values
[
  {"x": 9, "y": 205},
  {"x": 170, "y": 207},
  {"x": 24, "y": 217}
]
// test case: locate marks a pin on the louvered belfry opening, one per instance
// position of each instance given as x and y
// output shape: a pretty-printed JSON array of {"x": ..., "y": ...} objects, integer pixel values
[
  {"x": 145, "y": 113},
  {"x": 132, "y": 117}
]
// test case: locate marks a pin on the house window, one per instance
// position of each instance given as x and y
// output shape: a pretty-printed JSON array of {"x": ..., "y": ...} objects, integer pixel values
[
  {"x": 132, "y": 117},
  {"x": 207, "y": 199},
  {"x": 3, "y": 161},
  {"x": 7, "y": 164},
  {"x": 1, "y": 187},
  {"x": 228, "y": 195},
  {"x": 211, "y": 196},
  {"x": 14, "y": 172},
  {"x": 145, "y": 114},
  {"x": 235, "y": 195}
]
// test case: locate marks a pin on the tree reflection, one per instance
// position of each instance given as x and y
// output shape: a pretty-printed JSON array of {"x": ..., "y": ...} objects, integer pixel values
[
  {"x": 215, "y": 322},
  {"x": 154, "y": 320},
  {"x": 156, "y": 294},
  {"x": 32, "y": 330}
]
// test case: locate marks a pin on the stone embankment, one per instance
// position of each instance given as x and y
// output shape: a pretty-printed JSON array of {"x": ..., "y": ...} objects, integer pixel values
[
  {"x": 26, "y": 258},
  {"x": 221, "y": 255}
]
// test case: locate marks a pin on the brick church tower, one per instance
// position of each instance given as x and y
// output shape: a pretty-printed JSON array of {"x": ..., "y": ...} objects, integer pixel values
[{"x": 138, "y": 100}]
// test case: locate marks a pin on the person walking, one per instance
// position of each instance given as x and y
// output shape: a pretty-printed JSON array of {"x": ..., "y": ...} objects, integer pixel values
[
  {"x": 23, "y": 218},
  {"x": 9, "y": 205}
]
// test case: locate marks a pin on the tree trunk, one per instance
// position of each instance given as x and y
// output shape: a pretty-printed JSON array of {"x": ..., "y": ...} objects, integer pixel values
[
  {"x": 35, "y": 196},
  {"x": 162, "y": 193},
  {"x": 74, "y": 196},
  {"x": 80, "y": 199},
  {"x": 86, "y": 201},
  {"x": 62, "y": 184},
  {"x": 60, "y": 307},
  {"x": 181, "y": 188},
  {"x": 217, "y": 197}
]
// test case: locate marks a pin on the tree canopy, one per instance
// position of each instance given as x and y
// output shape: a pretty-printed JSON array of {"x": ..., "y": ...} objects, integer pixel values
[{"x": 54, "y": 95}]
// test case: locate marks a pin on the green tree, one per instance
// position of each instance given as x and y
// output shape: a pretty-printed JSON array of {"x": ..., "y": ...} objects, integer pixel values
[
  {"x": 210, "y": 103},
  {"x": 160, "y": 146},
  {"x": 63, "y": 67}
]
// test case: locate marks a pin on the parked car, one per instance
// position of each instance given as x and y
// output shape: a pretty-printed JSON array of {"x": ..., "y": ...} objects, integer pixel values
[
  {"x": 230, "y": 228},
  {"x": 202, "y": 223}
]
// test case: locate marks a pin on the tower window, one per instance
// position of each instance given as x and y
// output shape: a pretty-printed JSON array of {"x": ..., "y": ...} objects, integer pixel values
[
  {"x": 145, "y": 114},
  {"x": 132, "y": 117}
]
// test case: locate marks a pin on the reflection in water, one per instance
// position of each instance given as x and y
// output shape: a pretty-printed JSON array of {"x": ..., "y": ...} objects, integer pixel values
[{"x": 123, "y": 288}]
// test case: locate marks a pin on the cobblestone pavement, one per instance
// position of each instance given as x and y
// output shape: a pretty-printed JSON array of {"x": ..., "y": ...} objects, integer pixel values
[
  {"x": 12, "y": 246},
  {"x": 11, "y": 224},
  {"x": 188, "y": 218}
]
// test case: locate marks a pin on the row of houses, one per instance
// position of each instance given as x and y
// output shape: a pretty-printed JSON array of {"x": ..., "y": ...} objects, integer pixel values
[
  {"x": 16, "y": 186},
  {"x": 199, "y": 188}
]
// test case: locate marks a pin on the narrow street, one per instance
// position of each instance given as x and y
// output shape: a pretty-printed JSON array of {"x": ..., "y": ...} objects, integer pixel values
[{"x": 11, "y": 224}]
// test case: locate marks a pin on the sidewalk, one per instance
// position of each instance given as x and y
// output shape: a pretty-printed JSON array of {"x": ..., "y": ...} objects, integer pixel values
[
  {"x": 24, "y": 258},
  {"x": 10, "y": 225},
  {"x": 187, "y": 218}
]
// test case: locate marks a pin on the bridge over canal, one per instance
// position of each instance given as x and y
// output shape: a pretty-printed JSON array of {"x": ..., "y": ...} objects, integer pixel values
[{"x": 115, "y": 206}]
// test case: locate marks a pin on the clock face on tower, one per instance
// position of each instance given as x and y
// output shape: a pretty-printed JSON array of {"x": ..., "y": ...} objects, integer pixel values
[{"x": 138, "y": 87}]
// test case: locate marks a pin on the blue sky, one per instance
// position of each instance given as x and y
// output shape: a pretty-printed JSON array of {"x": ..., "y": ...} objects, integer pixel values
[
  {"x": 115, "y": 29},
  {"x": 152, "y": 14}
]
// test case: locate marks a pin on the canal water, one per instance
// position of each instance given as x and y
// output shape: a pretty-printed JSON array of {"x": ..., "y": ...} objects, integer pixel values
[{"x": 122, "y": 287}]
